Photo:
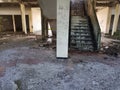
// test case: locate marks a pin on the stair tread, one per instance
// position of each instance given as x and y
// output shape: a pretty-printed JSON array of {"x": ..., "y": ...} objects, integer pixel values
[{"x": 81, "y": 38}]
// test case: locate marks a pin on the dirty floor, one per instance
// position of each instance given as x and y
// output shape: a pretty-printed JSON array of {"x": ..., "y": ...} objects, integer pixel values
[{"x": 25, "y": 65}]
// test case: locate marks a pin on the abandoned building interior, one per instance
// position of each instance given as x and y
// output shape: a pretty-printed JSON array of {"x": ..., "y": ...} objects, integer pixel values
[
  {"x": 63, "y": 26},
  {"x": 85, "y": 21}
]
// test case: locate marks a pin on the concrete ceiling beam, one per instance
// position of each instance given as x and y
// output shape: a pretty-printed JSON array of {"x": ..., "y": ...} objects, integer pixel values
[{"x": 9, "y": 1}]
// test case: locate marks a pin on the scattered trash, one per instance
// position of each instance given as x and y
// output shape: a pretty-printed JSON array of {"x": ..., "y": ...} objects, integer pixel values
[{"x": 113, "y": 49}]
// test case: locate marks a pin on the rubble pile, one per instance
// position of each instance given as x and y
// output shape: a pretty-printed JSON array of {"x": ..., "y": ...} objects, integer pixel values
[{"x": 112, "y": 49}]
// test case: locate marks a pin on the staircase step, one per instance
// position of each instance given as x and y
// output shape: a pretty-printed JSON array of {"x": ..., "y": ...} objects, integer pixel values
[
  {"x": 80, "y": 34},
  {"x": 74, "y": 20},
  {"x": 83, "y": 48},
  {"x": 79, "y": 24},
  {"x": 81, "y": 38},
  {"x": 79, "y": 28},
  {"x": 87, "y": 39}
]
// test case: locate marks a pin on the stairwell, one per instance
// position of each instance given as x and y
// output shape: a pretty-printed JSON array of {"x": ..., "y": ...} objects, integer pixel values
[{"x": 81, "y": 37}]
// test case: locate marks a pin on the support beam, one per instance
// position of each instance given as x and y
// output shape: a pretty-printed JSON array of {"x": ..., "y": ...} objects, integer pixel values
[
  {"x": 43, "y": 27},
  {"x": 63, "y": 9},
  {"x": 23, "y": 17},
  {"x": 115, "y": 23},
  {"x": 46, "y": 27},
  {"x": 14, "y": 26},
  {"x": 95, "y": 3},
  {"x": 30, "y": 22},
  {"x": 108, "y": 20},
  {"x": 9, "y": 1}
]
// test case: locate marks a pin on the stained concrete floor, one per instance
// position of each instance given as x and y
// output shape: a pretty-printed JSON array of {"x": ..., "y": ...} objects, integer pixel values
[{"x": 24, "y": 65}]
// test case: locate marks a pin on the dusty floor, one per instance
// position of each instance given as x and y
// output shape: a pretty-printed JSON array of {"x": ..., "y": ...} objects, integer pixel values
[{"x": 24, "y": 65}]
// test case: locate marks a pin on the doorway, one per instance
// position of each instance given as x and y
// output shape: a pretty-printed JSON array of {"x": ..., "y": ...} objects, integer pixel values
[{"x": 18, "y": 23}]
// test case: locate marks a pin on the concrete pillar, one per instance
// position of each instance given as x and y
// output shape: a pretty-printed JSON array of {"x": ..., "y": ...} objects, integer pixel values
[
  {"x": 46, "y": 27},
  {"x": 95, "y": 3},
  {"x": 115, "y": 22},
  {"x": 108, "y": 20},
  {"x": 63, "y": 9},
  {"x": 30, "y": 22},
  {"x": 23, "y": 17},
  {"x": 14, "y": 26},
  {"x": 43, "y": 27}
]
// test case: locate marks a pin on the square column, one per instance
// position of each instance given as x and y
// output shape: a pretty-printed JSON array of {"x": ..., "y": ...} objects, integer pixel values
[
  {"x": 14, "y": 26},
  {"x": 43, "y": 27},
  {"x": 108, "y": 20},
  {"x": 63, "y": 13},
  {"x": 23, "y": 17},
  {"x": 115, "y": 23},
  {"x": 30, "y": 21}
]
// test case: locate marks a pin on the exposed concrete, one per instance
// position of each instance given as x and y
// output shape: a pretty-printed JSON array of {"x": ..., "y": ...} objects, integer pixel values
[
  {"x": 9, "y": 1},
  {"x": 49, "y": 8},
  {"x": 116, "y": 19},
  {"x": 14, "y": 26},
  {"x": 30, "y": 21},
  {"x": 108, "y": 19},
  {"x": 63, "y": 8},
  {"x": 26, "y": 66},
  {"x": 44, "y": 27},
  {"x": 102, "y": 16},
  {"x": 24, "y": 27},
  {"x": 9, "y": 10}
]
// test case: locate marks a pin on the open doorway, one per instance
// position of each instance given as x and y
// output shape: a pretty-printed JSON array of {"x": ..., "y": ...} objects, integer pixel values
[
  {"x": 111, "y": 24},
  {"x": 18, "y": 23},
  {"x": 27, "y": 23}
]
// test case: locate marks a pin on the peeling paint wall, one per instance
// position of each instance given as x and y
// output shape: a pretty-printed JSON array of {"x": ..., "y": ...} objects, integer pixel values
[{"x": 102, "y": 18}]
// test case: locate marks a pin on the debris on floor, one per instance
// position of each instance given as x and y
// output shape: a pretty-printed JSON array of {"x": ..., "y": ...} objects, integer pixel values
[
  {"x": 23, "y": 67},
  {"x": 110, "y": 47}
]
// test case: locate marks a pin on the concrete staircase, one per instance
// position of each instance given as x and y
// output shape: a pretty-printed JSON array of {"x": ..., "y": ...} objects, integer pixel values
[{"x": 81, "y": 35}]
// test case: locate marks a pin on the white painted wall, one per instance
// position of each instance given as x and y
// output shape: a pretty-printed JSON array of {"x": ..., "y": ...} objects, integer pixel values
[
  {"x": 102, "y": 18},
  {"x": 36, "y": 21}
]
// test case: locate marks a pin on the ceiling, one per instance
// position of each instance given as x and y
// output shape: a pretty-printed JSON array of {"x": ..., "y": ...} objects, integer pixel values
[
  {"x": 104, "y": 3},
  {"x": 14, "y": 3}
]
